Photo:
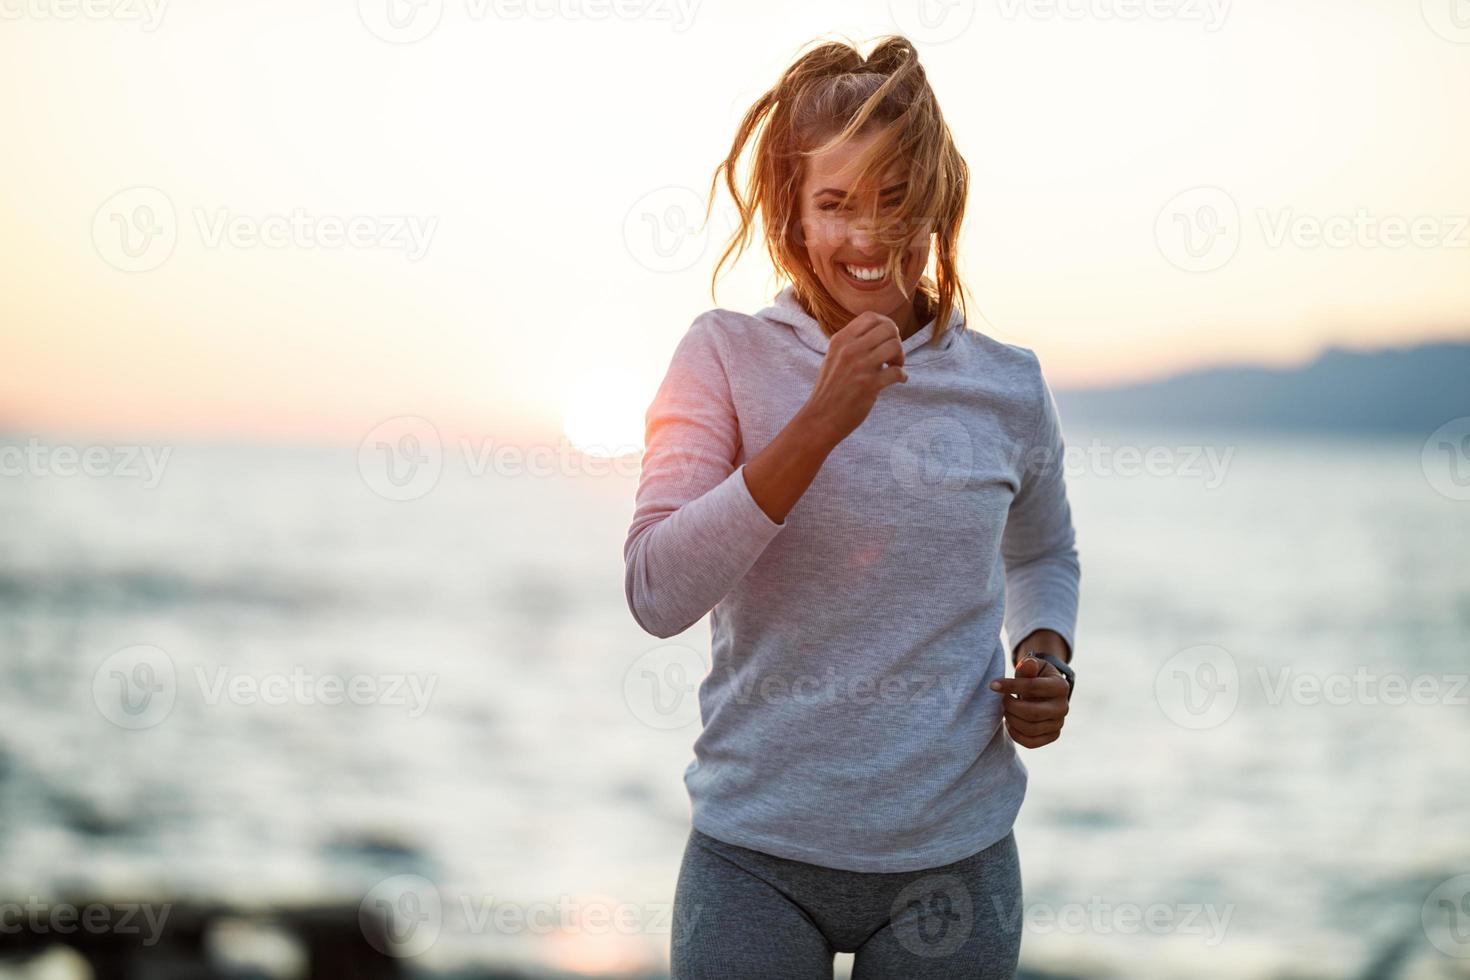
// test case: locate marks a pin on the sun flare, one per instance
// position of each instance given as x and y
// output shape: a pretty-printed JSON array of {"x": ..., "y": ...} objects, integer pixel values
[{"x": 601, "y": 418}]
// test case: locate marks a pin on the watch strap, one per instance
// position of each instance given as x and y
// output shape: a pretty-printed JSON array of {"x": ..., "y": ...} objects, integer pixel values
[{"x": 1062, "y": 668}]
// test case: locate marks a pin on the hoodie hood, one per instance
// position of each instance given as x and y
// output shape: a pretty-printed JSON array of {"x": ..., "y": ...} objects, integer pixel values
[{"x": 786, "y": 310}]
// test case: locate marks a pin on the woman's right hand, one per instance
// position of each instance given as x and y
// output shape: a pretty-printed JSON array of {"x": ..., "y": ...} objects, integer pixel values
[{"x": 852, "y": 374}]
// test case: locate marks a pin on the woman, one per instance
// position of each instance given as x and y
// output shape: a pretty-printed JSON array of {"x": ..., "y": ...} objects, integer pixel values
[{"x": 861, "y": 491}]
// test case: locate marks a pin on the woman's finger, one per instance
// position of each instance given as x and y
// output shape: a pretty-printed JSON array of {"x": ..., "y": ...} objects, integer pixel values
[
  {"x": 1036, "y": 710},
  {"x": 1032, "y": 688},
  {"x": 1033, "y": 729}
]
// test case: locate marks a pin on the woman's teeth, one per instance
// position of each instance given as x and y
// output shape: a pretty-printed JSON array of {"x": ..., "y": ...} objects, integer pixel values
[{"x": 869, "y": 274}]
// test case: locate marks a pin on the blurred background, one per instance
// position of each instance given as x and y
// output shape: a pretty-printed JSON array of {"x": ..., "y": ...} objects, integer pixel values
[{"x": 325, "y": 339}]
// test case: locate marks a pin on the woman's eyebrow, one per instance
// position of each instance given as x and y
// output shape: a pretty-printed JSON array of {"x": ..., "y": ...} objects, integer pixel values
[{"x": 839, "y": 192}]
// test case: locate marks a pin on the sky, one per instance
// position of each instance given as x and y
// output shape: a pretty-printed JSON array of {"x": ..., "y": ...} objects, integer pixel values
[{"x": 289, "y": 221}]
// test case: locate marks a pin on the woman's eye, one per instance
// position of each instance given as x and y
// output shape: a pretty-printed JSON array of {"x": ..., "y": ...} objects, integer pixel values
[{"x": 833, "y": 206}]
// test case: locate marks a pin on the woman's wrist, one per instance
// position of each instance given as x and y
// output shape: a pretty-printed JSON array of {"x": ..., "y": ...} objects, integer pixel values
[
  {"x": 815, "y": 433},
  {"x": 1043, "y": 641}
]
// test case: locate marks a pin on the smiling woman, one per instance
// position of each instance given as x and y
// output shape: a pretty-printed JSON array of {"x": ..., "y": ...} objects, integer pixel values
[
  {"x": 839, "y": 480},
  {"x": 836, "y": 126},
  {"x": 842, "y": 244}
]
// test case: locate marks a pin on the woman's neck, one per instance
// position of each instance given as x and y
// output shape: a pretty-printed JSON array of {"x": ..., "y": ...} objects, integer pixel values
[{"x": 918, "y": 316}]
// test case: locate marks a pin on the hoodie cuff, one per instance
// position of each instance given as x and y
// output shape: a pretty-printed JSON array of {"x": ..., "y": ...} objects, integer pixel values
[{"x": 745, "y": 506}]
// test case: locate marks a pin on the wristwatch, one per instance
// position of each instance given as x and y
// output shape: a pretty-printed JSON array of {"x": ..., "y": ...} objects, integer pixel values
[{"x": 1061, "y": 665}]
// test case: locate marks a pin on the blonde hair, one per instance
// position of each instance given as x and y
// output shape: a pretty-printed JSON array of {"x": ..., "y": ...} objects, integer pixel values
[{"x": 827, "y": 96}]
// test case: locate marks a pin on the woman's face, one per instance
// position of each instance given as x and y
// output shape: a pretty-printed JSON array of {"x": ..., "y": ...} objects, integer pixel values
[{"x": 847, "y": 260}]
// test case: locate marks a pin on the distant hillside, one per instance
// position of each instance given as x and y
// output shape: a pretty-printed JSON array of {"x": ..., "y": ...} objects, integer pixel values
[{"x": 1397, "y": 389}]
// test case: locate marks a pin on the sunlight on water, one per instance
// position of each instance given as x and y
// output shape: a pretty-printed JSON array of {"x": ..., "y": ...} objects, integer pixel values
[{"x": 488, "y": 748}]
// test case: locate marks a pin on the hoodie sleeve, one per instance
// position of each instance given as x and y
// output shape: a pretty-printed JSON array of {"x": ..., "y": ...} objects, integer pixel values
[
  {"x": 1039, "y": 544},
  {"x": 696, "y": 529}
]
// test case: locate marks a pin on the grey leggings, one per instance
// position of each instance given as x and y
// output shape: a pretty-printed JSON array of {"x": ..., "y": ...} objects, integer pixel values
[{"x": 740, "y": 914}]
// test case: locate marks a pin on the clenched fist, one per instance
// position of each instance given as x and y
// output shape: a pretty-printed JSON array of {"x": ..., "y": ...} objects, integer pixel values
[
  {"x": 1035, "y": 702},
  {"x": 862, "y": 359}
]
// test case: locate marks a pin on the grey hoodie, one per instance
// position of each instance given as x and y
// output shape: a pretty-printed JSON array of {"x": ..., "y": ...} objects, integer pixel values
[{"x": 847, "y": 717}]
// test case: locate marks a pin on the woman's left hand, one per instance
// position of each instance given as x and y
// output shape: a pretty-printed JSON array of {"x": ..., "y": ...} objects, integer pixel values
[{"x": 1035, "y": 700}]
